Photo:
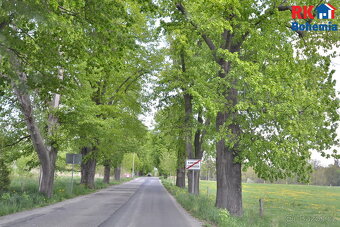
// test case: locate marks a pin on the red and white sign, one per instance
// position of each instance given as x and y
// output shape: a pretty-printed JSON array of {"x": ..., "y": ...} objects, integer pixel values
[{"x": 193, "y": 164}]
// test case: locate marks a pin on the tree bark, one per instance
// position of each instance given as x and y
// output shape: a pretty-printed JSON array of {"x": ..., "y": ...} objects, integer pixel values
[
  {"x": 47, "y": 182},
  {"x": 228, "y": 173},
  {"x": 180, "y": 179},
  {"x": 117, "y": 173},
  {"x": 187, "y": 125},
  {"x": 181, "y": 156},
  {"x": 229, "y": 193},
  {"x": 188, "y": 135},
  {"x": 198, "y": 140},
  {"x": 180, "y": 171},
  {"x": 88, "y": 168},
  {"x": 107, "y": 171},
  {"x": 46, "y": 150}
]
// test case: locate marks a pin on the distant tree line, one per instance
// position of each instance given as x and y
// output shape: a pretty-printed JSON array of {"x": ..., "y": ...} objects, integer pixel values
[{"x": 321, "y": 175}]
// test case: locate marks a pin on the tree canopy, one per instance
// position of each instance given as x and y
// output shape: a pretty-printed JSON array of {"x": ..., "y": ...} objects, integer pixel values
[{"x": 233, "y": 82}]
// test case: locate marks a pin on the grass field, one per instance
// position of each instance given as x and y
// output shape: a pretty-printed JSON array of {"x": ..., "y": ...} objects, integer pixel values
[
  {"x": 284, "y": 205},
  {"x": 23, "y": 193}
]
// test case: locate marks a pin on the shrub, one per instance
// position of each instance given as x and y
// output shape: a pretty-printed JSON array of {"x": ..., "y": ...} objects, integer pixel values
[{"x": 4, "y": 176}]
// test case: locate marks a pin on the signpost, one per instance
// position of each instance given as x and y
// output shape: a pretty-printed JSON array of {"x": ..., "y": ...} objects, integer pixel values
[
  {"x": 73, "y": 159},
  {"x": 193, "y": 164}
]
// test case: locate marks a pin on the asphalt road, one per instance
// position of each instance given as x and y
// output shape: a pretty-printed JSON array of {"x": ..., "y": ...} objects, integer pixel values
[{"x": 141, "y": 202}]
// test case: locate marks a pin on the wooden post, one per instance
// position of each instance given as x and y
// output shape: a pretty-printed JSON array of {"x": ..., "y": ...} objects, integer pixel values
[{"x": 261, "y": 207}]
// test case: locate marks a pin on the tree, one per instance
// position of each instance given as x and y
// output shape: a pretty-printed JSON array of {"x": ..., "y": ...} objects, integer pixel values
[
  {"x": 181, "y": 84},
  {"x": 332, "y": 174},
  {"x": 116, "y": 145},
  {"x": 80, "y": 40},
  {"x": 208, "y": 168},
  {"x": 107, "y": 92},
  {"x": 270, "y": 113},
  {"x": 4, "y": 175},
  {"x": 168, "y": 135},
  {"x": 30, "y": 31},
  {"x": 168, "y": 162}
]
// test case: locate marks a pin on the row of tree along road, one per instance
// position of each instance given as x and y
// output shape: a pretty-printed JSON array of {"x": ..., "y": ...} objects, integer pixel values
[{"x": 233, "y": 83}]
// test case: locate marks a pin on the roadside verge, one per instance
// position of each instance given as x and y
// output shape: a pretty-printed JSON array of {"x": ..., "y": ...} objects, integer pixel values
[
  {"x": 200, "y": 207},
  {"x": 21, "y": 197}
]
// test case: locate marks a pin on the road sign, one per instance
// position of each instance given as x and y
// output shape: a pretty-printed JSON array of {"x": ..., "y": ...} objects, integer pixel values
[
  {"x": 193, "y": 164},
  {"x": 73, "y": 159}
]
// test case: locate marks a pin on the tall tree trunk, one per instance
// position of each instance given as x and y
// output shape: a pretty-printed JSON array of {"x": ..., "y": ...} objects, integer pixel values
[
  {"x": 88, "y": 168},
  {"x": 47, "y": 175},
  {"x": 228, "y": 173},
  {"x": 52, "y": 124},
  {"x": 198, "y": 141},
  {"x": 46, "y": 150},
  {"x": 180, "y": 178},
  {"x": 188, "y": 135},
  {"x": 107, "y": 173},
  {"x": 188, "y": 126},
  {"x": 117, "y": 173},
  {"x": 181, "y": 156},
  {"x": 180, "y": 171},
  {"x": 24, "y": 99}
]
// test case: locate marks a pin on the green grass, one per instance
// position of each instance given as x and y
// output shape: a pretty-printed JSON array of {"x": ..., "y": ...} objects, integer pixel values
[
  {"x": 23, "y": 193},
  {"x": 284, "y": 205}
]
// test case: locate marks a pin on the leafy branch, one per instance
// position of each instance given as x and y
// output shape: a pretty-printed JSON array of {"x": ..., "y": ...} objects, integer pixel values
[{"x": 16, "y": 142}]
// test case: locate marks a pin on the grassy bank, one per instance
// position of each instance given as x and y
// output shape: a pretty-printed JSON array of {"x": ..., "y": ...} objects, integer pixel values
[
  {"x": 23, "y": 193},
  {"x": 284, "y": 205}
]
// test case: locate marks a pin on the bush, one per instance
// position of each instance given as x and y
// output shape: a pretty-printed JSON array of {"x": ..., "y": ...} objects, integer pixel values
[{"x": 4, "y": 176}]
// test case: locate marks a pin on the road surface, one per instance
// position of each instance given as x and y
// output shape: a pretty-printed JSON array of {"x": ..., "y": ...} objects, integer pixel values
[{"x": 138, "y": 203}]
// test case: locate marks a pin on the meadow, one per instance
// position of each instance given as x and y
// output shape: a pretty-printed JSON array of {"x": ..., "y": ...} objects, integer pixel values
[
  {"x": 284, "y": 205},
  {"x": 23, "y": 193}
]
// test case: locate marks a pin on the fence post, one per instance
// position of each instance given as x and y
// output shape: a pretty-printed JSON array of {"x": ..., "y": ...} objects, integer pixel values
[{"x": 261, "y": 207}]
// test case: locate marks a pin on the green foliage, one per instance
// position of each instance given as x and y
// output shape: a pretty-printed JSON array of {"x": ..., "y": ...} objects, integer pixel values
[
  {"x": 128, "y": 160},
  {"x": 285, "y": 105},
  {"x": 102, "y": 49},
  {"x": 168, "y": 162},
  {"x": 4, "y": 175},
  {"x": 146, "y": 156},
  {"x": 208, "y": 167}
]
